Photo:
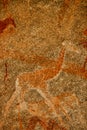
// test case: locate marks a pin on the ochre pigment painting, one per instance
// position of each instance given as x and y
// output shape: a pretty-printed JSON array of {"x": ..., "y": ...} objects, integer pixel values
[{"x": 43, "y": 64}]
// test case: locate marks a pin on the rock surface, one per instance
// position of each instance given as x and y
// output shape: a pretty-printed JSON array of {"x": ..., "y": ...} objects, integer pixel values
[{"x": 43, "y": 70}]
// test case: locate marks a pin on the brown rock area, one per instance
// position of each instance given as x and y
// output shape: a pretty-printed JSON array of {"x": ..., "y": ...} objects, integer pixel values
[{"x": 43, "y": 64}]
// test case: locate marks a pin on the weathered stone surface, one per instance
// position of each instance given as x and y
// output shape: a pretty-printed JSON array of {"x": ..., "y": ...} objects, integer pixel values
[{"x": 43, "y": 70}]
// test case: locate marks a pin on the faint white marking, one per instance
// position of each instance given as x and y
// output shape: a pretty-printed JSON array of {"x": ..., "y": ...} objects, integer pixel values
[{"x": 71, "y": 47}]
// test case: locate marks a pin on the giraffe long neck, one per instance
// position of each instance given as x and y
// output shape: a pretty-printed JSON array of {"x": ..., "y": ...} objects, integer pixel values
[{"x": 50, "y": 73}]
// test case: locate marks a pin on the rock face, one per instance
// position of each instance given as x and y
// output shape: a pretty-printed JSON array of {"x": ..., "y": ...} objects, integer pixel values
[{"x": 43, "y": 64}]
